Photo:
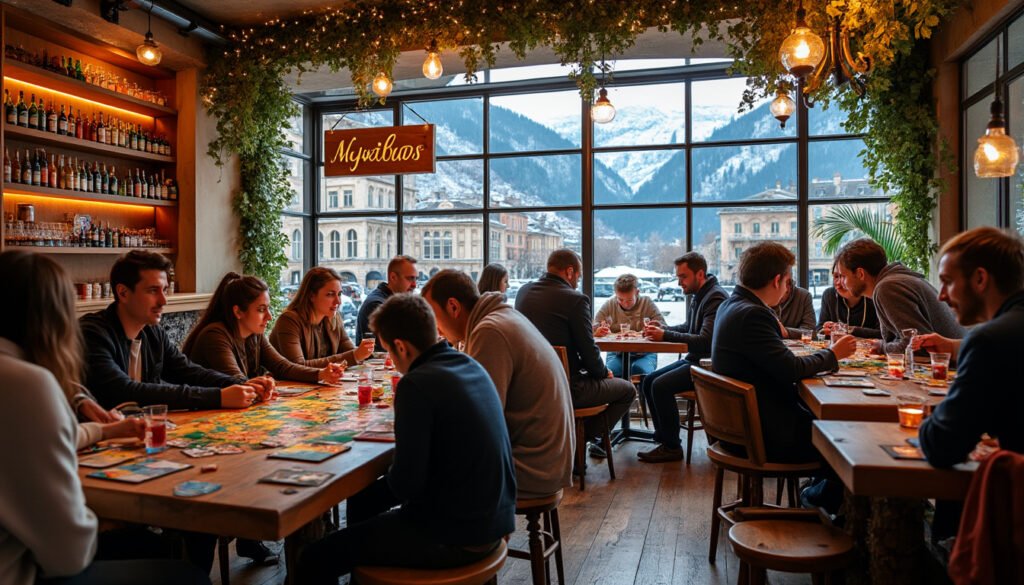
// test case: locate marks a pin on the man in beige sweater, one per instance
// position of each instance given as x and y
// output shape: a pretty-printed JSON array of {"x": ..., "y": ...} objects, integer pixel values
[{"x": 532, "y": 385}]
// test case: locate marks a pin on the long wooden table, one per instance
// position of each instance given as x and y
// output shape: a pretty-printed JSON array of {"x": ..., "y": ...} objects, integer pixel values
[
  {"x": 626, "y": 346},
  {"x": 242, "y": 507},
  {"x": 838, "y": 403}
]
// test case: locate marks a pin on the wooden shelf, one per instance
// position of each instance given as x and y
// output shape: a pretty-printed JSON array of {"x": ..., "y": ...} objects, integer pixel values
[
  {"x": 86, "y": 251},
  {"x": 16, "y": 189},
  {"x": 31, "y": 74},
  {"x": 176, "y": 303},
  {"x": 49, "y": 138}
]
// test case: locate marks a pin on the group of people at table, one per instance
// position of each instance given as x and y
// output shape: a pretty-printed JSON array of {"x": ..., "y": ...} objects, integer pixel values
[{"x": 503, "y": 403}]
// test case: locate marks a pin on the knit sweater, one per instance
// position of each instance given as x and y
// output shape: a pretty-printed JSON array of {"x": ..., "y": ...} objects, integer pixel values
[
  {"x": 904, "y": 299},
  {"x": 218, "y": 349},
  {"x": 612, "y": 312},
  {"x": 534, "y": 392},
  {"x": 44, "y": 523},
  {"x": 861, "y": 318}
]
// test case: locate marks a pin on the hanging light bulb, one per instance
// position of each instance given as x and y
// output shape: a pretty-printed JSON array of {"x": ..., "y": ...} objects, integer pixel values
[
  {"x": 382, "y": 84},
  {"x": 602, "y": 111},
  {"x": 782, "y": 106},
  {"x": 148, "y": 52},
  {"x": 996, "y": 155},
  {"x": 802, "y": 50},
  {"x": 432, "y": 67}
]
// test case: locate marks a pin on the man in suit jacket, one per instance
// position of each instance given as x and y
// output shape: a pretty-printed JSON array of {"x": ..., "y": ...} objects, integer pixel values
[
  {"x": 747, "y": 345},
  {"x": 563, "y": 316},
  {"x": 660, "y": 387}
]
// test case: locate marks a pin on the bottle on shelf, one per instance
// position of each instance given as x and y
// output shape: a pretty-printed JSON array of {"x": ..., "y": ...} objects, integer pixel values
[
  {"x": 16, "y": 167},
  {"x": 26, "y": 170},
  {"x": 101, "y": 131},
  {"x": 10, "y": 110},
  {"x": 32, "y": 118},
  {"x": 54, "y": 171},
  {"x": 37, "y": 170},
  {"x": 74, "y": 124},
  {"x": 44, "y": 168},
  {"x": 113, "y": 187},
  {"x": 51, "y": 119},
  {"x": 22, "y": 110},
  {"x": 78, "y": 70},
  {"x": 62, "y": 122},
  {"x": 7, "y": 167}
]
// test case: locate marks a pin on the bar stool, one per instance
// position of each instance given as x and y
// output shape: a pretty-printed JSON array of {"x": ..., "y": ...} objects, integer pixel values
[
  {"x": 787, "y": 540},
  {"x": 543, "y": 543},
  {"x": 691, "y": 422},
  {"x": 579, "y": 416},
  {"x": 483, "y": 571},
  {"x": 637, "y": 380}
]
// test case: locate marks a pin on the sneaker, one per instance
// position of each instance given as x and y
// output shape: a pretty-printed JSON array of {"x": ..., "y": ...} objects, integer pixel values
[
  {"x": 660, "y": 454},
  {"x": 255, "y": 550},
  {"x": 596, "y": 450}
]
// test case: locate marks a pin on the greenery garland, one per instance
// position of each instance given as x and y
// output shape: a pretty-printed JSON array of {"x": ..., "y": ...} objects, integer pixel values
[{"x": 244, "y": 85}]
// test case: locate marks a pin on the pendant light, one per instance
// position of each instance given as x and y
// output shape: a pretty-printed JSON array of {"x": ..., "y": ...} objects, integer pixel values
[
  {"x": 602, "y": 111},
  {"x": 782, "y": 106},
  {"x": 382, "y": 84},
  {"x": 997, "y": 154},
  {"x": 432, "y": 67},
  {"x": 148, "y": 52},
  {"x": 802, "y": 50}
]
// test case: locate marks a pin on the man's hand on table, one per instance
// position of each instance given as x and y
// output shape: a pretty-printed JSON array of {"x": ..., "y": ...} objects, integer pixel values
[{"x": 844, "y": 347}]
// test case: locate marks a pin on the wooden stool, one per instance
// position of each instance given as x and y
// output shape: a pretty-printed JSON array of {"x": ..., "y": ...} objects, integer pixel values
[
  {"x": 580, "y": 415},
  {"x": 692, "y": 418},
  {"x": 543, "y": 543},
  {"x": 480, "y": 572},
  {"x": 637, "y": 380},
  {"x": 794, "y": 545}
]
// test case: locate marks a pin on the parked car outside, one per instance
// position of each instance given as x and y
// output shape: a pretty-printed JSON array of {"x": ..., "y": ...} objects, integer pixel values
[
  {"x": 353, "y": 291},
  {"x": 671, "y": 291}
]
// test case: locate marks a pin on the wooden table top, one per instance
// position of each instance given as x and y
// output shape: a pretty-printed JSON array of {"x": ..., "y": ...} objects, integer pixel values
[
  {"x": 639, "y": 345},
  {"x": 838, "y": 403},
  {"x": 853, "y": 450},
  {"x": 242, "y": 507}
]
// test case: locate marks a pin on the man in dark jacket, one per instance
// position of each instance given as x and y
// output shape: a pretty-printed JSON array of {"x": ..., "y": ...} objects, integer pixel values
[
  {"x": 747, "y": 345},
  {"x": 660, "y": 387},
  {"x": 982, "y": 275},
  {"x": 129, "y": 358},
  {"x": 452, "y": 470},
  {"x": 563, "y": 316},
  {"x": 402, "y": 277}
]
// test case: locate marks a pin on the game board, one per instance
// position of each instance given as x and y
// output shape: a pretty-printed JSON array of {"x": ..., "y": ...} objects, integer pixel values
[{"x": 285, "y": 422}]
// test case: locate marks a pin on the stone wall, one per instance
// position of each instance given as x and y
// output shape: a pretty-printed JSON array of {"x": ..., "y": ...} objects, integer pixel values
[{"x": 179, "y": 324}]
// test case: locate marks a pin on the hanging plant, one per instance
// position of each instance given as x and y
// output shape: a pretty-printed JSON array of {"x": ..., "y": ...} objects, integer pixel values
[{"x": 244, "y": 85}]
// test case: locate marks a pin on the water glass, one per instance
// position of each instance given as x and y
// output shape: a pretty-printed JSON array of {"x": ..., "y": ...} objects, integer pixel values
[
  {"x": 155, "y": 416},
  {"x": 805, "y": 336},
  {"x": 624, "y": 328},
  {"x": 909, "y": 334}
]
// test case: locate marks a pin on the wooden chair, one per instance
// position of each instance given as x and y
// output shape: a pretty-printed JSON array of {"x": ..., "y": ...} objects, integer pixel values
[
  {"x": 580, "y": 415},
  {"x": 543, "y": 542},
  {"x": 729, "y": 413},
  {"x": 691, "y": 422},
  {"x": 479, "y": 573},
  {"x": 788, "y": 540}
]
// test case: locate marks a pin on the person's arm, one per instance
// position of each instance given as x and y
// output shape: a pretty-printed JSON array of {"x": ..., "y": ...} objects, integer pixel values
[
  {"x": 956, "y": 424},
  {"x": 700, "y": 342},
  {"x": 89, "y": 433},
  {"x": 901, "y": 310},
  {"x": 111, "y": 385},
  {"x": 489, "y": 347},
  {"x": 772, "y": 356},
  {"x": 583, "y": 339},
  {"x": 42, "y": 502},
  {"x": 413, "y": 419},
  {"x": 179, "y": 369},
  {"x": 282, "y": 368}
]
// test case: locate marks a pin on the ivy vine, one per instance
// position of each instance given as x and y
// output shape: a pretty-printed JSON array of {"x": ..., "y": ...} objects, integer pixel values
[{"x": 244, "y": 85}]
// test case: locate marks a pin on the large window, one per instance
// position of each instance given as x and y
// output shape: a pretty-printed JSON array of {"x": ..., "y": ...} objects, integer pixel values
[
  {"x": 997, "y": 202},
  {"x": 521, "y": 171},
  {"x": 296, "y": 220}
]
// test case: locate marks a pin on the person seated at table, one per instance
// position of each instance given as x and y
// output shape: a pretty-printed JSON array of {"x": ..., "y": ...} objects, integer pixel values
[
  {"x": 47, "y": 533},
  {"x": 311, "y": 332},
  {"x": 982, "y": 276},
  {"x": 129, "y": 358},
  {"x": 795, "y": 311},
  {"x": 659, "y": 388},
  {"x": 903, "y": 298},
  {"x": 747, "y": 345},
  {"x": 452, "y": 470},
  {"x": 840, "y": 305},
  {"x": 494, "y": 278},
  {"x": 627, "y": 306},
  {"x": 229, "y": 338},
  {"x": 562, "y": 315},
  {"x": 402, "y": 277},
  {"x": 528, "y": 374}
]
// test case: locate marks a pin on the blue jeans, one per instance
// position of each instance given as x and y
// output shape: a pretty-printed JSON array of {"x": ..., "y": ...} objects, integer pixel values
[{"x": 639, "y": 363}]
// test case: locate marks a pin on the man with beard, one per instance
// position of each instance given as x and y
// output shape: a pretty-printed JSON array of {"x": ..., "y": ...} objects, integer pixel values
[
  {"x": 903, "y": 298},
  {"x": 659, "y": 388},
  {"x": 839, "y": 305},
  {"x": 982, "y": 276}
]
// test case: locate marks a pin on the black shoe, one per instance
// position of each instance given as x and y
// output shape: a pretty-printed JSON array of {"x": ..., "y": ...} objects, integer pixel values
[
  {"x": 255, "y": 550},
  {"x": 597, "y": 450},
  {"x": 661, "y": 454}
]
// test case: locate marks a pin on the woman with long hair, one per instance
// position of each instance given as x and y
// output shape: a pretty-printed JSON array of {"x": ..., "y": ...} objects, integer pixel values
[
  {"x": 47, "y": 534},
  {"x": 230, "y": 336},
  {"x": 311, "y": 331},
  {"x": 493, "y": 278}
]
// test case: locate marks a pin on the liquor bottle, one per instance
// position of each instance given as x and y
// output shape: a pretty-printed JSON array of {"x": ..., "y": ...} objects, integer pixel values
[
  {"x": 62, "y": 173},
  {"x": 76, "y": 182},
  {"x": 134, "y": 136},
  {"x": 7, "y": 167},
  {"x": 144, "y": 142},
  {"x": 108, "y": 237},
  {"x": 69, "y": 70},
  {"x": 16, "y": 167},
  {"x": 78, "y": 70},
  {"x": 87, "y": 171},
  {"x": 54, "y": 171},
  {"x": 95, "y": 180},
  {"x": 62, "y": 122},
  {"x": 37, "y": 171},
  {"x": 26, "y": 169},
  {"x": 44, "y": 169},
  {"x": 112, "y": 185},
  {"x": 101, "y": 130},
  {"x": 51, "y": 119},
  {"x": 136, "y": 185},
  {"x": 32, "y": 118},
  {"x": 22, "y": 110},
  {"x": 10, "y": 110},
  {"x": 172, "y": 189},
  {"x": 79, "y": 129},
  {"x": 63, "y": 66},
  {"x": 112, "y": 132},
  {"x": 93, "y": 128}
]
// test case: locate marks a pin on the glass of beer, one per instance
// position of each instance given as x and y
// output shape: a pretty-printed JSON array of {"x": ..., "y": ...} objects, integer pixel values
[
  {"x": 911, "y": 410},
  {"x": 155, "y": 416}
]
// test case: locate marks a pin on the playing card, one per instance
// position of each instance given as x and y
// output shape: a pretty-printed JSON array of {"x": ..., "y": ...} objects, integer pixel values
[
  {"x": 189, "y": 489},
  {"x": 198, "y": 452}
]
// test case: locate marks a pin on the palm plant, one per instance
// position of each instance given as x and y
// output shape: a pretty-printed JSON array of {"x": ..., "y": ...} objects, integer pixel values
[{"x": 842, "y": 223}]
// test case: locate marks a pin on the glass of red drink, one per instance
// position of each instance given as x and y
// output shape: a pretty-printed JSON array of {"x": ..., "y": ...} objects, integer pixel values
[
  {"x": 940, "y": 365},
  {"x": 155, "y": 416}
]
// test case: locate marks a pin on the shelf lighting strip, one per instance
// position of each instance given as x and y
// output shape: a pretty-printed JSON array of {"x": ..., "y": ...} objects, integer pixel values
[
  {"x": 51, "y": 198},
  {"x": 72, "y": 96}
]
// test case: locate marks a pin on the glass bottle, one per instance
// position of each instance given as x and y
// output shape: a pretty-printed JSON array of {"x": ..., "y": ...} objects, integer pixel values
[
  {"x": 62, "y": 122},
  {"x": 31, "y": 121},
  {"x": 22, "y": 110}
]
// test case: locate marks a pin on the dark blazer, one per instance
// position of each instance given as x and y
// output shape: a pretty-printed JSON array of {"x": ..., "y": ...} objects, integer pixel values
[
  {"x": 373, "y": 300},
  {"x": 700, "y": 321},
  {"x": 747, "y": 345},
  {"x": 563, "y": 316},
  {"x": 452, "y": 468},
  {"x": 986, "y": 396},
  {"x": 168, "y": 377}
]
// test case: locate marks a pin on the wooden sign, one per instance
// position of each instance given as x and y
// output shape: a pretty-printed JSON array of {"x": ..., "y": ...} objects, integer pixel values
[{"x": 396, "y": 150}]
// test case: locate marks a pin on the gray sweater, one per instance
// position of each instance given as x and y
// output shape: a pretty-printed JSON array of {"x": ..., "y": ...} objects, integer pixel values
[
  {"x": 796, "y": 312},
  {"x": 903, "y": 300},
  {"x": 616, "y": 315},
  {"x": 533, "y": 390}
]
